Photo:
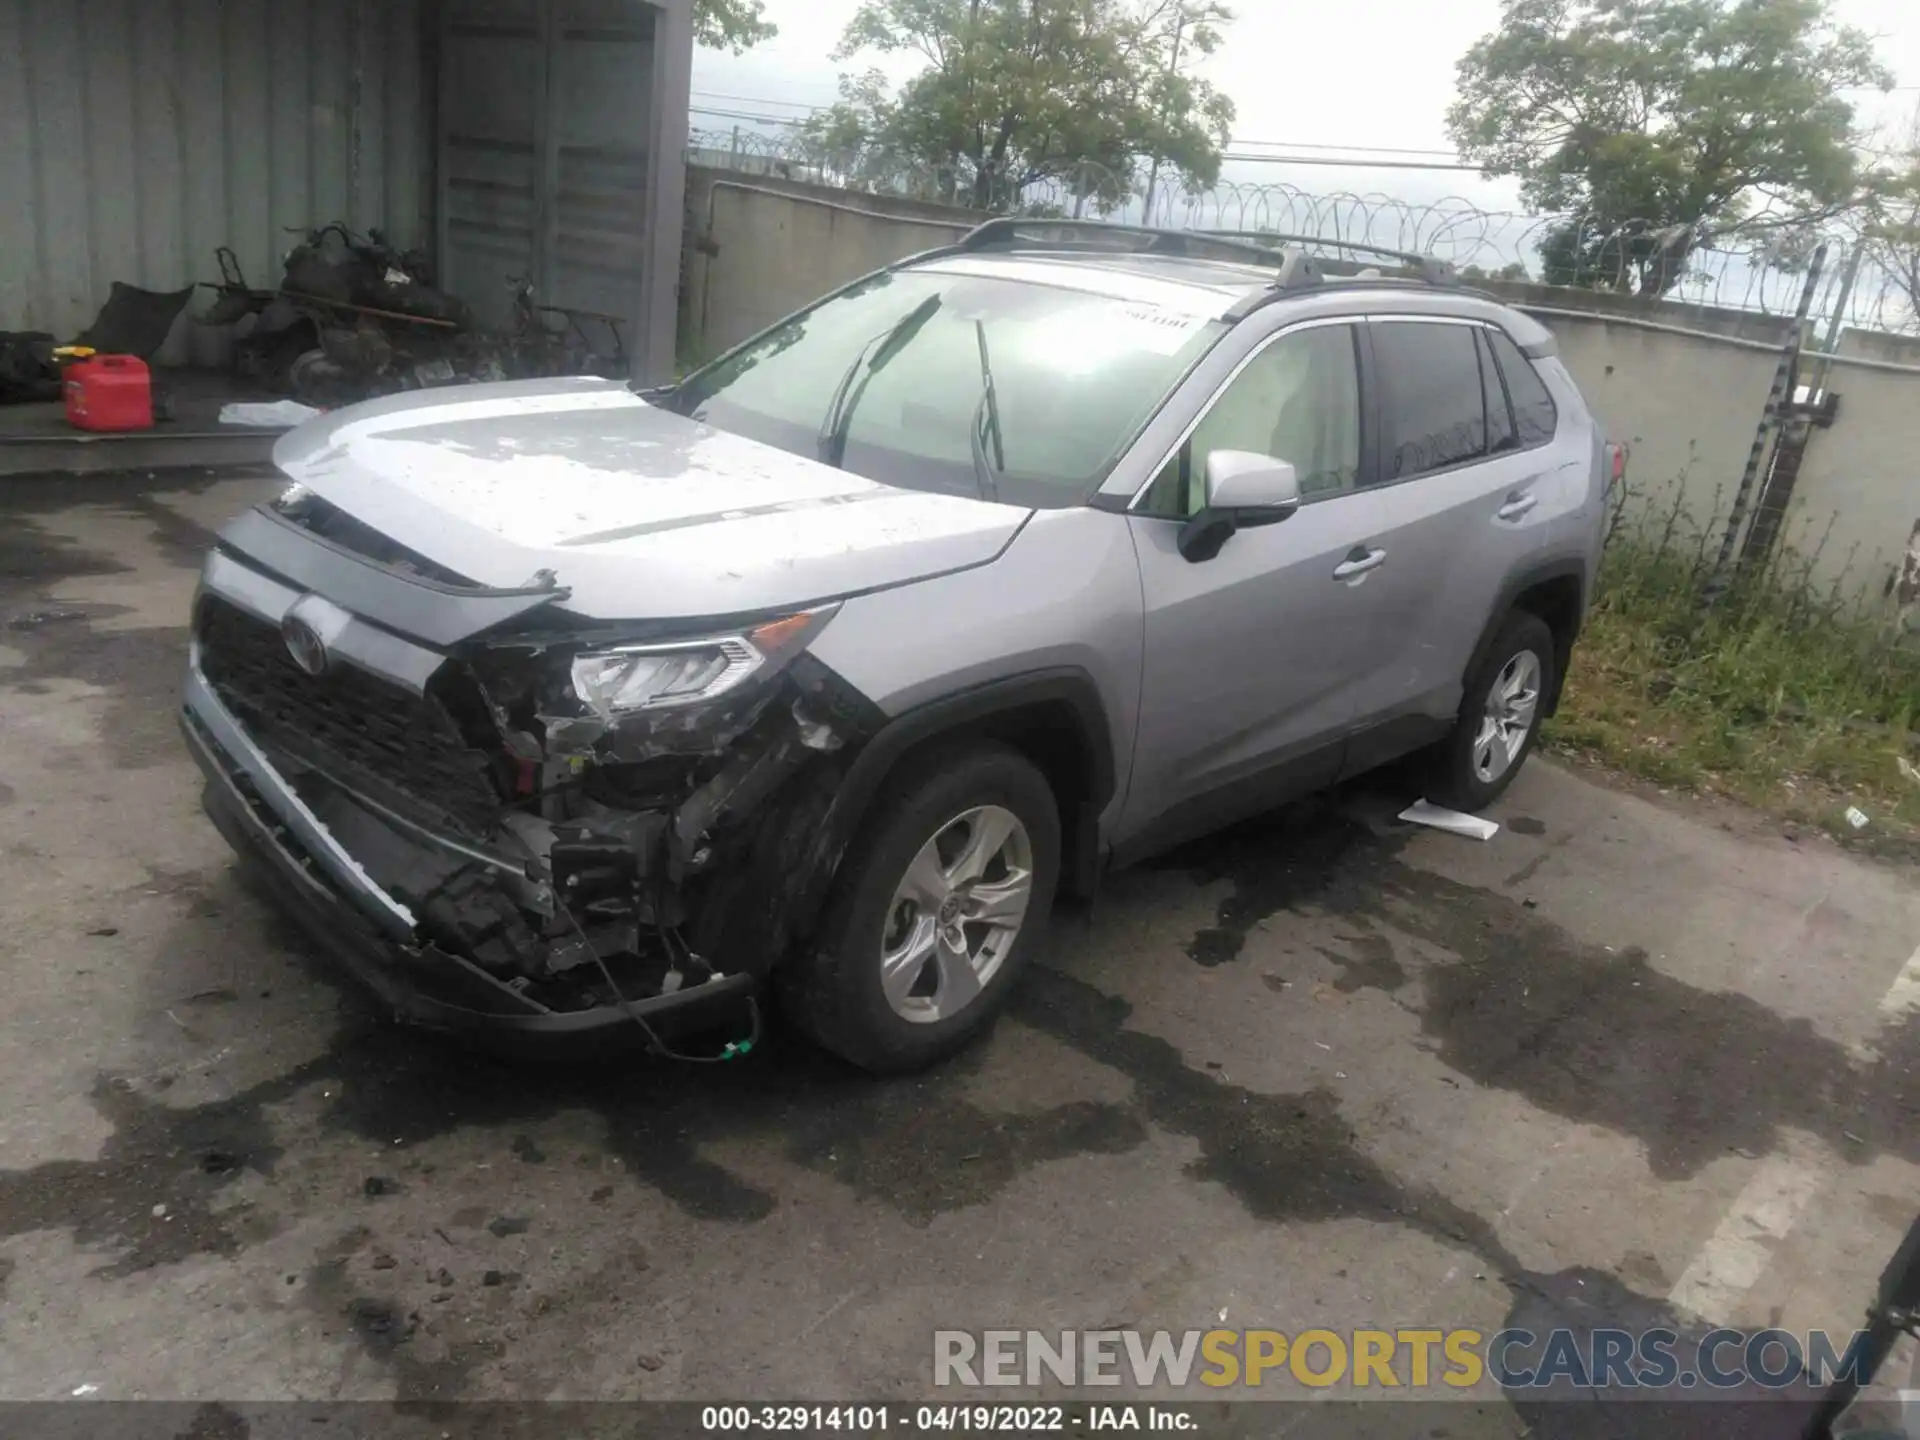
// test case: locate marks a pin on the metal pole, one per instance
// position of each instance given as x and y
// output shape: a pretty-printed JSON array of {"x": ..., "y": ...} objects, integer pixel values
[
  {"x": 1777, "y": 402},
  {"x": 1818, "y": 381}
]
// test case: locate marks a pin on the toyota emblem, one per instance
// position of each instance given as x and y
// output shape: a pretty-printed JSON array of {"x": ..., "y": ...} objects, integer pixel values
[{"x": 304, "y": 644}]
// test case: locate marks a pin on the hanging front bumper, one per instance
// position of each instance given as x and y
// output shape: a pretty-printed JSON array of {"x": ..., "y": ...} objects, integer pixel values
[{"x": 373, "y": 935}]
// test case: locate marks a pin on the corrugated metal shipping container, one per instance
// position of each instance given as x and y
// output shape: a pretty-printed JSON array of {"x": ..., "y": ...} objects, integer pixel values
[
  {"x": 545, "y": 126},
  {"x": 137, "y": 135}
]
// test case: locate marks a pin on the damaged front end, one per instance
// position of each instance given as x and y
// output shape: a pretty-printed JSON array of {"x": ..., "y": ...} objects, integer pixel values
[{"x": 502, "y": 817}]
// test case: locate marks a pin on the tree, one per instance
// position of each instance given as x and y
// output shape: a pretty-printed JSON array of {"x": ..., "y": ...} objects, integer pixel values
[
  {"x": 1664, "y": 123},
  {"x": 731, "y": 24},
  {"x": 1017, "y": 93},
  {"x": 1889, "y": 228}
]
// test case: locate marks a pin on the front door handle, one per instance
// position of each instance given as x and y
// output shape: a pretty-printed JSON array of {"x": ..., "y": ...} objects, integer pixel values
[
  {"x": 1517, "y": 505},
  {"x": 1358, "y": 562}
]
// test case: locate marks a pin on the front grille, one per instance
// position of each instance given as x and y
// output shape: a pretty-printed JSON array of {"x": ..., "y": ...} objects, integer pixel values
[{"x": 402, "y": 749}]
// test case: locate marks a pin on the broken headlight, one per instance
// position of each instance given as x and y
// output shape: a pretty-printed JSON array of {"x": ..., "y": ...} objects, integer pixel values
[{"x": 688, "y": 672}]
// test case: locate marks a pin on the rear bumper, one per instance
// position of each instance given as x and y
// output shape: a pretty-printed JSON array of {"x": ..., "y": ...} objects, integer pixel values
[{"x": 372, "y": 935}]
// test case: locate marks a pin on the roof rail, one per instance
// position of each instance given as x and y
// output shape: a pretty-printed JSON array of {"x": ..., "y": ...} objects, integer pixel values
[
  {"x": 1428, "y": 268},
  {"x": 1298, "y": 268},
  {"x": 1011, "y": 231}
]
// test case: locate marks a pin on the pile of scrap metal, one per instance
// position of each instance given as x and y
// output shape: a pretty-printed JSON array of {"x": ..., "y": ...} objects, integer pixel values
[{"x": 354, "y": 317}]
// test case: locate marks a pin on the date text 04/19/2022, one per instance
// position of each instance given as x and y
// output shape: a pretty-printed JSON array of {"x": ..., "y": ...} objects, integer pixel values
[{"x": 936, "y": 1419}]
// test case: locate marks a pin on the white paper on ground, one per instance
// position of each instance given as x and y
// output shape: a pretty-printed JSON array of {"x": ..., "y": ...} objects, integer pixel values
[
  {"x": 1423, "y": 812},
  {"x": 267, "y": 414}
]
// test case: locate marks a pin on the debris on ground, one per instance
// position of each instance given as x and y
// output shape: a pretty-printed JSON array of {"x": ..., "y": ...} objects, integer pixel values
[
  {"x": 267, "y": 414},
  {"x": 1438, "y": 817},
  {"x": 506, "y": 1225},
  {"x": 378, "y": 1185},
  {"x": 1856, "y": 817},
  {"x": 34, "y": 619}
]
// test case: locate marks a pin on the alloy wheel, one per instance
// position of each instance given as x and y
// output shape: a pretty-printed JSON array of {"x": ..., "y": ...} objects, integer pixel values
[
  {"x": 955, "y": 914},
  {"x": 1507, "y": 720}
]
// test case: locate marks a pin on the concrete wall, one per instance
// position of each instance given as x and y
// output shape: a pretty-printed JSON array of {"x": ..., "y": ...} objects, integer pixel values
[
  {"x": 1686, "y": 405},
  {"x": 1863, "y": 473},
  {"x": 759, "y": 248}
]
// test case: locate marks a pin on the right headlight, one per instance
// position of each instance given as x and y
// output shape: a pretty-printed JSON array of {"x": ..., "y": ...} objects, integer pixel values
[{"x": 635, "y": 678}]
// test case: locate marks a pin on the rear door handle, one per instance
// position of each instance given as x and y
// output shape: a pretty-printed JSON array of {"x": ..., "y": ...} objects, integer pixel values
[
  {"x": 1517, "y": 506},
  {"x": 1358, "y": 562}
]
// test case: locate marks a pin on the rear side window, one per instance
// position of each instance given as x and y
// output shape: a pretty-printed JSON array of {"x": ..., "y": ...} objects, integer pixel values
[
  {"x": 1533, "y": 411},
  {"x": 1500, "y": 432},
  {"x": 1432, "y": 405}
]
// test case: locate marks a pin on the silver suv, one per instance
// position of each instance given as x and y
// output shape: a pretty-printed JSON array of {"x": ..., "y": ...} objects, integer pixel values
[{"x": 572, "y": 715}]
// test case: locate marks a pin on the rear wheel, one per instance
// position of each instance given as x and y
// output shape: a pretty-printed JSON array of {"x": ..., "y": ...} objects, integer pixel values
[
  {"x": 939, "y": 905},
  {"x": 1499, "y": 719}
]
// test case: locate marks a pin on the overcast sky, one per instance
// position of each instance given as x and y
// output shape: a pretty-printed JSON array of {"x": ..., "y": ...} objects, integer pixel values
[{"x": 1360, "y": 72}]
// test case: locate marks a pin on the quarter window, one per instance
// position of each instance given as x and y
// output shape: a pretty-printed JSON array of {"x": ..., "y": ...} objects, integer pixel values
[
  {"x": 1533, "y": 409},
  {"x": 1433, "y": 405},
  {"x": 1298, "y": 400}
]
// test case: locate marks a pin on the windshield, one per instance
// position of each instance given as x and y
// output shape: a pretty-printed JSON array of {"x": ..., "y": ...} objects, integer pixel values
[{"x": 957, "y": 383}]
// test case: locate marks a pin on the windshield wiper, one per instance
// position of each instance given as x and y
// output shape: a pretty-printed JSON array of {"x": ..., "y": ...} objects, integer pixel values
[
  {"x": 986, "y": 425},
  {"x": 873, "y": 356}
]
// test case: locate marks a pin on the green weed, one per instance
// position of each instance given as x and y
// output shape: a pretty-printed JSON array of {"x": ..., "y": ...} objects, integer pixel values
[{"x": 1796, "y": 699}]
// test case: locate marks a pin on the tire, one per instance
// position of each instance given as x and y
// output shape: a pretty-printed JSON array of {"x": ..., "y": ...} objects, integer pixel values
[
  {"x": 948, "y": 805},
  {"x": 1471, "y": 768}
]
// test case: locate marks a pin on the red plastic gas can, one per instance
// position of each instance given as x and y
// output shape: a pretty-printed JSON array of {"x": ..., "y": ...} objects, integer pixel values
[{"x": 109, "y": 392}]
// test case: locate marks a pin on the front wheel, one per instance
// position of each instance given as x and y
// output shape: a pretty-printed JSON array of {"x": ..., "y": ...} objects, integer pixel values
[
  {"x": 1499, "y": 719},
  {"x": 940, "y": 903}
]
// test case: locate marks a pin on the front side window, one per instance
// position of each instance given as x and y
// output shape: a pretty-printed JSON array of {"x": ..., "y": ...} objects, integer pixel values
[
  {"x": 1298, "y": 400},
  {"x": 1432, "y": 405},
  {"x": 957, "y": 382}
]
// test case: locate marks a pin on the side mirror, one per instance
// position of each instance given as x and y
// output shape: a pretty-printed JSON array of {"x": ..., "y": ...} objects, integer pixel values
[{"x": 1243, "y": 490}]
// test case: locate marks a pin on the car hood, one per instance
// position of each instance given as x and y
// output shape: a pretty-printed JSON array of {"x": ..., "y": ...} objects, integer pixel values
[{"x": 640, "y": 513}]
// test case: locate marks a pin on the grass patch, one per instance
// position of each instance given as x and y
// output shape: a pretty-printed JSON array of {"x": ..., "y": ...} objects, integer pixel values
[{"x": 1794, "y": 700}]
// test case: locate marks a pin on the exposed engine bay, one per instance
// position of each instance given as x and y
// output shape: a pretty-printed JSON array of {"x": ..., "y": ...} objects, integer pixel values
[{"x": 574, "y": 841}]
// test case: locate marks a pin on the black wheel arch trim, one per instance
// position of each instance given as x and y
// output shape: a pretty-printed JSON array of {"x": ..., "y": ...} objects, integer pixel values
[
  {"x": 1517, "y": 585},
  {"x": 1067, "y": 686}
]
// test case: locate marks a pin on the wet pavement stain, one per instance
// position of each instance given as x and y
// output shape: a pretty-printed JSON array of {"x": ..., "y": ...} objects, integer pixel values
[
  {"x": 1527, "y": 825},
  {"x": 1367, "y": 963},
  {"x": 1580, "y": 1031},
  {"x": 1284, "y": 1157},
  {"x": 150, "y": 1197},
  {"x": 183, "y": 542},
  {"x": 427, "y": 1369},
  {"x": 140, "y": 670},
  {"x": 33, "y": 558},
  {"x": 1275, "y": 863},
  {"x": 214, "y": 1421}
]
